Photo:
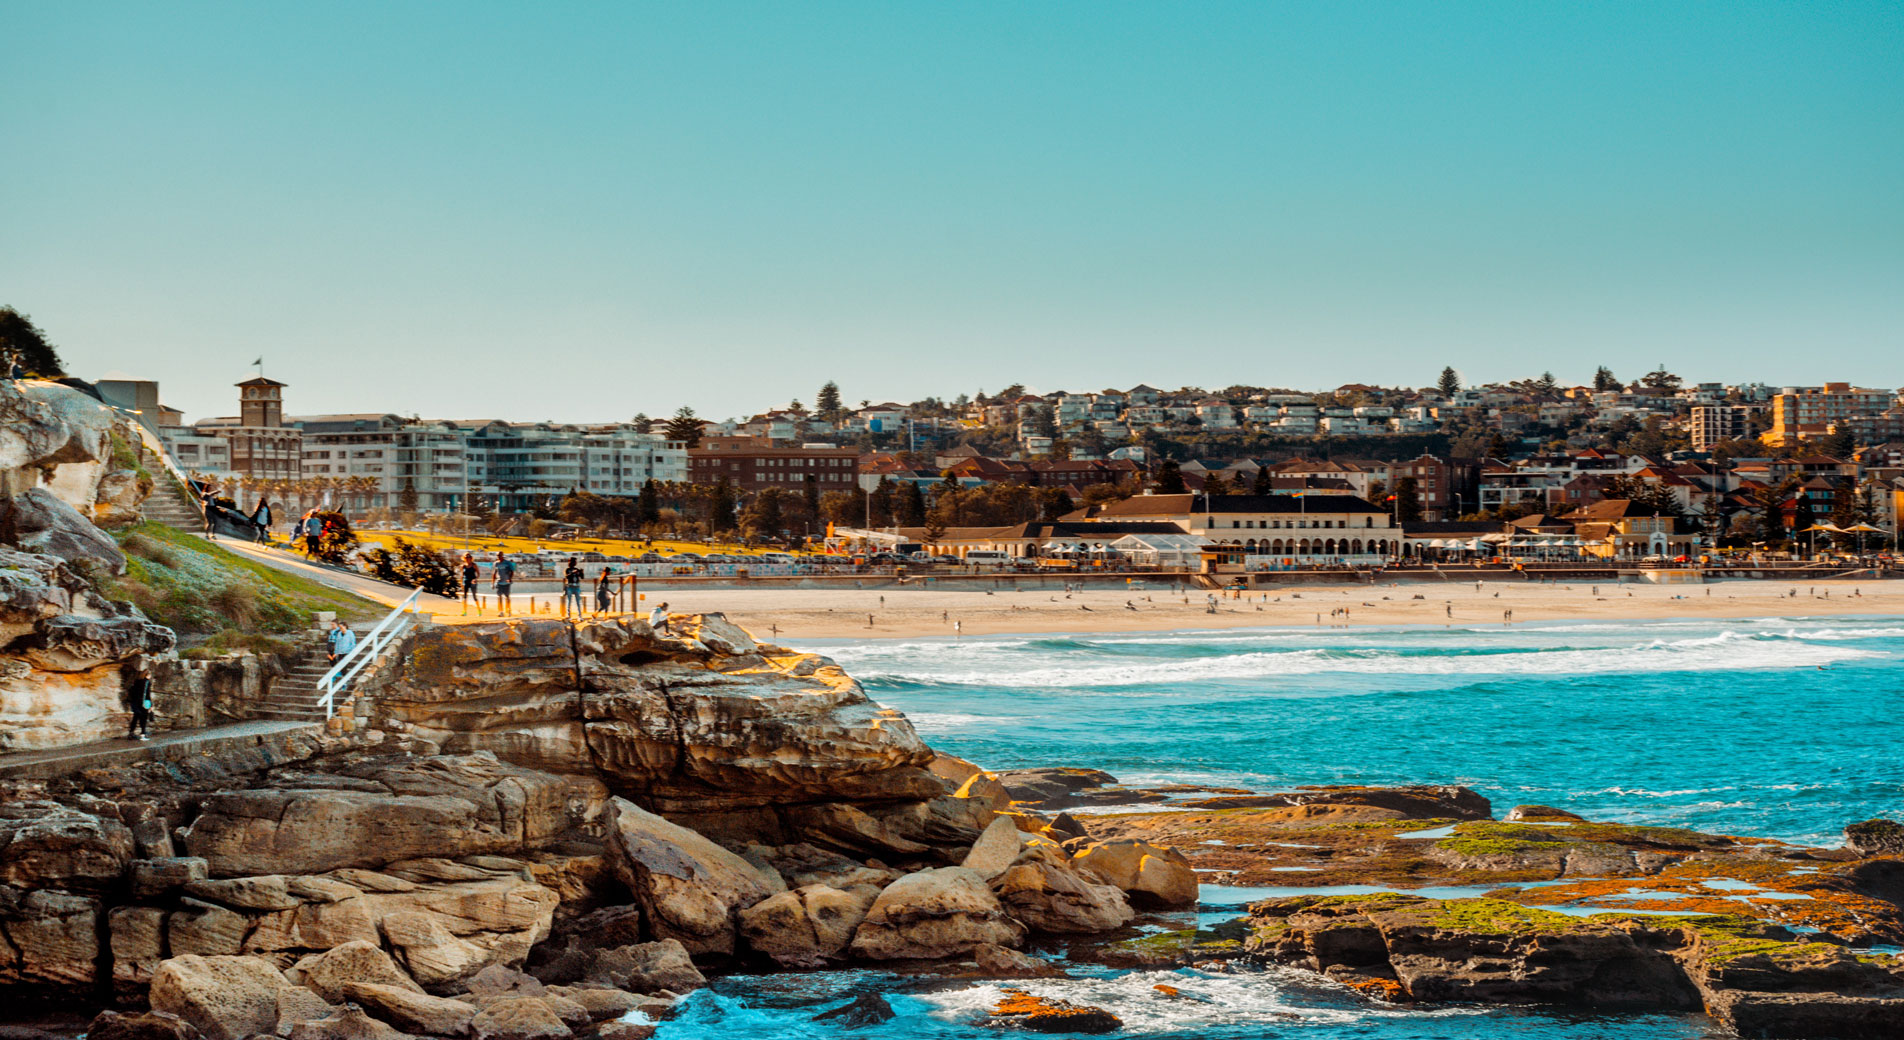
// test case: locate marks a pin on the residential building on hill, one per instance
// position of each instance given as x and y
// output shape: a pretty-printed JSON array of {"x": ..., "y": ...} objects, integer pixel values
[{"x": 750, "y": 464}]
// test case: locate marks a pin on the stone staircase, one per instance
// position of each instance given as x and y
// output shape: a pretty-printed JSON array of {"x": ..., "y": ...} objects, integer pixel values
[
  {"x": 169, "y": 504},
  {"x": 294, "y": 696}
]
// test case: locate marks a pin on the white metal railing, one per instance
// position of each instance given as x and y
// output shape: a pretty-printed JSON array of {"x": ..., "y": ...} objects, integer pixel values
[{"x": 373, "y": 643}]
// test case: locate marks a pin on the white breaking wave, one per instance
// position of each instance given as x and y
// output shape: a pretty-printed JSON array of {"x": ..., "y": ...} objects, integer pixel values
[{"x": 1085, "y": 668}]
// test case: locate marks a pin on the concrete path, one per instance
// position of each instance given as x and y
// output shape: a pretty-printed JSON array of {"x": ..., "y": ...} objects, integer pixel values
[{"x": 169, "y": 746}]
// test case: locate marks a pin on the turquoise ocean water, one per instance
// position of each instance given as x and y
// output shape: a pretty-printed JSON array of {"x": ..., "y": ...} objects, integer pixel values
[{"x": 1777, "y": 728}]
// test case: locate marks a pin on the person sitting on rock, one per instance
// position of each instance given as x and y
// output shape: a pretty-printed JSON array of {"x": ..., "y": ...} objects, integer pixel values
[{"x": 658, "y": 619}]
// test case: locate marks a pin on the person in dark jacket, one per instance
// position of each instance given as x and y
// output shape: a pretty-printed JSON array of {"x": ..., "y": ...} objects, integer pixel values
[
  {"x": 605, "y": 591},
  {"x": 572, "y": 587},
  {"x": 138, "y": 697}
]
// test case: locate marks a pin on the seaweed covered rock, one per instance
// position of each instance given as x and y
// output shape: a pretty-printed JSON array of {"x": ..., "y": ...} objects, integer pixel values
[
  {"x": 1020, "y": 1010},
  {"x": 1878, "y": 837}
]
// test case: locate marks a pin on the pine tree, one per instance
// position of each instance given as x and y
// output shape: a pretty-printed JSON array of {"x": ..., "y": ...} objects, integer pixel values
[
  {"x": 1263, "y": 484},
  {"x": 826, "y": 404},
  {"x": 1407, "y": 501},
  {"x": 685, "y": 427},
  {"x": 648, "y": 505},
  {"x": 1170, "y": 478},
  {"x": 1603, "y": 379},
  {"x": 911, "y": 504},
  {"x": 642, "y": 423},
  {"x": 1450, "y": 382},
  {"x": 23, "y": 344},
  {"x": 407, "y": 496},
  {"x": 1546, "y": 383},
  {"x": 1216, "y": 484}
]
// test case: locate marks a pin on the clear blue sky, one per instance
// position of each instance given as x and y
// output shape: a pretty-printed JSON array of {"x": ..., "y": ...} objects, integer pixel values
[{"x": 581, "y": 211}]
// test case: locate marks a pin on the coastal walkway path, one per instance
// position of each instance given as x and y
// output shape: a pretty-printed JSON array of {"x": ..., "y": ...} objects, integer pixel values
[{"x": 165, "y": 746}]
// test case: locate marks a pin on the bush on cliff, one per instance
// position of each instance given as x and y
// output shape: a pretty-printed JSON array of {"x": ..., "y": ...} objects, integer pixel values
[{"x": 217, "y": 600}]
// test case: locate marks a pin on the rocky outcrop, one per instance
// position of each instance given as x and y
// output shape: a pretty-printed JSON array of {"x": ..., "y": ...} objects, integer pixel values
[
  {"x": 1757, "y": 979},
  {"x": 1875, "y": 838},
  {"x": 56, "y": 437},
  {"x": 1045, "y": 889},
  {"x": 705, "y": 721},
  {"x": 62, "y": 653},
  {"x": 231, "y": 998},
  {"x": 39, "y": 521},
  {"x": 387, "y": 810},
  {"x": 806, "y": 927},
  {"x": 1020, "y": 1010}
]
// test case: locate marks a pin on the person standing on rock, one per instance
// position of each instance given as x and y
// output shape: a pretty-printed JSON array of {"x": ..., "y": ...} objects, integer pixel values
[
  {"x": 138, "y": 695},
  {"x": 504, "y": 575},
  {"x": 572, "y": 587},
  {"x": 658, "y": 619}
]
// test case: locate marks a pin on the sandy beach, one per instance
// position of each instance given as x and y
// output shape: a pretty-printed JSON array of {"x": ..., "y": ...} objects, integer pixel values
[{"x": 899, "y": 612}]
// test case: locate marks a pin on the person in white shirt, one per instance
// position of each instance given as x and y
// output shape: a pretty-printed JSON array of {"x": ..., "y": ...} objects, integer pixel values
[{"x": 658, "y": 618}]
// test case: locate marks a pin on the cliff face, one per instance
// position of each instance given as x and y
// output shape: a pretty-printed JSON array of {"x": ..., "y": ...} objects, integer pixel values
[
  {"x": 704, "y": 725},
  {"x": 61, "y": 645}
]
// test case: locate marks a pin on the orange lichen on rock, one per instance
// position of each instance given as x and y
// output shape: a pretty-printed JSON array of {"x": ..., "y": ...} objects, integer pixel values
[
  {"x": 1386, "y": 990},
  {"x": 1020, "y": 1010}
]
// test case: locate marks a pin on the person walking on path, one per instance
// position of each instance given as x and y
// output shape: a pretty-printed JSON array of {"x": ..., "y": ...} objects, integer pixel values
[
  {"x": 313, "y": 533},
  {"x": 504, "y": 575},
  {"x": 658, "y": 619},
  {"x": 138, "y": 694},
  {"x": 604, "y": 590},
  {"x": 262, "y": 517},
  {"x": 572, "y": 586},
  {"x": 469, "y": 572},
  {"x": 341, "y": 640}
]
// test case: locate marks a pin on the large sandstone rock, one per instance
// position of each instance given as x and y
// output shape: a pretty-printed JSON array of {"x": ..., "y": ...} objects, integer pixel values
[
  {"x": 703, "y": 721},
  {"x": 997, "y": 847},
  {"x": 1152, "y": 876},
  {"x": 1042, "y": 890},
  {"x": 60, "y": 676},
  {"x": 518, "y": 1018},
  {"x": 38, "y": 521},
  {"x": 53, "y": 436},
  {"x": 933, "y": 914},
  {"x": 328, "y": 973},
  {"x": 452, "y": 805},
  {"x": 117, "y": 500},
  {"x": 149, "y": 1025},
  {"x": 806, "y": 927},
  {"x": 346, "y": 1023},
  {"x": 413, "y": 1012},
  {"x": 224, "y": 998},
  {"x": 688, "y": 887}
]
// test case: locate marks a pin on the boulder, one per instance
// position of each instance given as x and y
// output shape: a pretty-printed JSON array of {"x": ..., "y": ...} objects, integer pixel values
[
  {"x": 328, "y": 974},
  {"x": 1877, "y": 837},
  {"x": 432, "y": 954},
  {"x": 987, "y": 788},
  {"x": 934, "y": 914},
  {"x": 689, "y": 888},
  {"x": 867, "y": 1009},
  {"x": 498, "y": 981},
  {"x": 149, "y": 1025},
  {"x": 152, "y": 878},
  {"x": 346, "y": 1023},
  {"x": 601, "y": 1004},
  {"x": 651, "y": 968},
  {"x": 1000, "y": 963},
  {"x": 1021, "y": 1010},
  {"x": 1542, "y": 814},
  {"x": 117, "y": 500},
  {"x": 38, "y": 521},
  {"x": 53, "y": 435},
  {"x": 224, "y": 998},
  {"x": 411, "y": 1011},
  {"x": 1151, "y": 876},
  {"x": 996, "y": 848},
  {"x": 518, "y": 1018},
  {"x": 1042, "y": 890},
  {"x": 805, "y": 927}
]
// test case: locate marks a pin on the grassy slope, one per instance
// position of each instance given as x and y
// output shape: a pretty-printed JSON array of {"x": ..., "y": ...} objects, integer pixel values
[
  {"x": 217, "y": 600},
  {"x": 483, "y": 543}
]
